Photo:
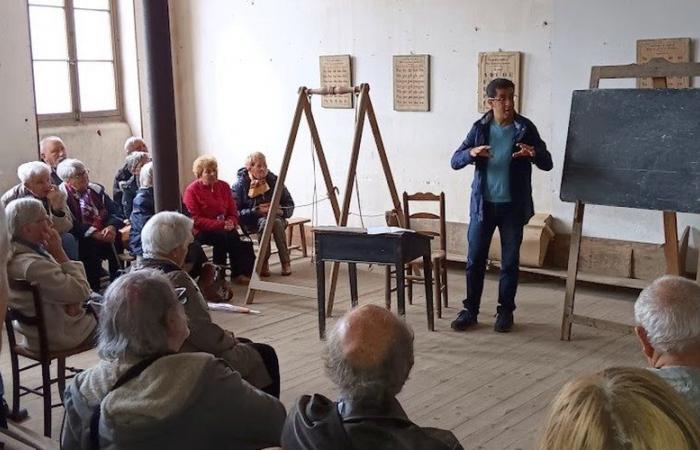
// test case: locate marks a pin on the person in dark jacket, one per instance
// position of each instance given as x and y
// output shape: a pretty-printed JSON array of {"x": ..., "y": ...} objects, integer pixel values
[
  {"x": 502, "y": 146},
  {"x": 253, "y": 191},
  {"x": 97, "y": 221},
  {"x": 124, "y": 175},
  {"x": 369, "y": 356},
  {"x": 128, "y": 188},
  {"x": 143, "y": 208}
]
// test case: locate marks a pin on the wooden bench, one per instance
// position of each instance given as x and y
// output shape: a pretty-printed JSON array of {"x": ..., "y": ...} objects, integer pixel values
[{"x": 297, "y": 222}]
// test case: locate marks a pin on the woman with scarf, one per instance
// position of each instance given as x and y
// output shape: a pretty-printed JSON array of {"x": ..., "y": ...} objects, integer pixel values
[
  {"x": 96, "y": 220},
  {"x": 253, "y": 193}
]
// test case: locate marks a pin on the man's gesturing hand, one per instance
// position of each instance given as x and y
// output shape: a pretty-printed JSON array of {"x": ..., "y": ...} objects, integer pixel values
[
  {"x": 526, "y": 151},
  {"x": 482, "y": 150}
]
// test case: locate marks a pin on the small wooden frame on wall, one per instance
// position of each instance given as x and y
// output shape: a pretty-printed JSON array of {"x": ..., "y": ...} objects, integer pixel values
[
  {"x": 411, "y": 82},
  {"x": 498, "y": 65},
  {"x": 336, "y": 71},
  {"x": 675, "y": 50}
]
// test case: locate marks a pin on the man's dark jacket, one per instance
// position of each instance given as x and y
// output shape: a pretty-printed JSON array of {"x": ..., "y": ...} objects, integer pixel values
[
  {"x": 520, "y": 168},
  {"x": 317, "y": 423}
]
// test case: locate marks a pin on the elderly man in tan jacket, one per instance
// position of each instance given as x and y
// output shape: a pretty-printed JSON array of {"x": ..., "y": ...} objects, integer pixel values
[
  {"x": 38, "y": 257},
  {"x": 35, "y": 182}
]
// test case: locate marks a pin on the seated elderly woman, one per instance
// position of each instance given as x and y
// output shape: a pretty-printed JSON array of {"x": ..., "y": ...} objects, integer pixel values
[
  {"x": 132, "y": 145},
  {"x": 125, "y": 190},
  {"x": 210, "y": 202},
  {"x": 620, "y": 408},
  {"x": 35, "y": 182},
  {"x": 143, "y": 394},
  {"x": 253, "y": 193},
  {"x": 96, "y": 220},
  {"x": 38, "y": 257},
  {"x": 165, "y": 240}
]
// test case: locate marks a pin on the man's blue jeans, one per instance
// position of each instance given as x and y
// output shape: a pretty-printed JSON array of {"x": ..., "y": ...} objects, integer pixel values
[{"x": 510, "y": 227}]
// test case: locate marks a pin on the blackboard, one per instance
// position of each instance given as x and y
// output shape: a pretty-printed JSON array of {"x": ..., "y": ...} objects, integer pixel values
[{"x": 637, "y": 148}]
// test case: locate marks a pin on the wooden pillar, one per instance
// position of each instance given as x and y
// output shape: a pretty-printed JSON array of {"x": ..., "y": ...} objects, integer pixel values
[{"x": 161, "y": 93}]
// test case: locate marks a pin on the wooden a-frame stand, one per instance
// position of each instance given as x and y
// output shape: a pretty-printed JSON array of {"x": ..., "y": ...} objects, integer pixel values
[
  {"x": 364, "y": 108},
  {"x": 659, "y": 70}
]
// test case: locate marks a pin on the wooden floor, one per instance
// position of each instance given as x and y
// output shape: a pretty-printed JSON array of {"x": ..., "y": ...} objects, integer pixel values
[{"x": 492, "y": 390}]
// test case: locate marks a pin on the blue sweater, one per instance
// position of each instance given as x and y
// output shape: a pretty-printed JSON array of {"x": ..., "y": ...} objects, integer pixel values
[{"x": 520, "y": 168}]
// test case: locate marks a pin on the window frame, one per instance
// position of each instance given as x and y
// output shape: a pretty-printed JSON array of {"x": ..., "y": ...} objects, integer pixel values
[{"x": 77, "y": 116}]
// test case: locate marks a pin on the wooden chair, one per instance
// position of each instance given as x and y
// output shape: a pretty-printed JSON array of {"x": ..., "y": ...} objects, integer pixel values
[
  {"x": 43, "y": 358},
  {"x": 438, "y": 256}
]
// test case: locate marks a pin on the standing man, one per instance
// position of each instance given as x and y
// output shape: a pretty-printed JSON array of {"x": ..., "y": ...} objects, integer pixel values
[
  {"x": 502, "y": 145},
  {"x": 52, "y": 151}
]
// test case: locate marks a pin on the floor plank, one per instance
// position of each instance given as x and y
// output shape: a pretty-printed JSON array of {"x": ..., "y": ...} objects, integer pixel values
[{"x": 492, "y": 390}]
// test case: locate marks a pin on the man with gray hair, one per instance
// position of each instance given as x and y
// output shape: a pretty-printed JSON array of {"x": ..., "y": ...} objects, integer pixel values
[
  {"x": 125, "y": 174},
  {"x": 35, "y": 182},
  {"x": 143, "y": 394},
  {"x": 52, "y": 151},
  {"x": 166, "y": 239},
  {"x": 37, "y": 256},
  {"x": 667, "y": 314},
  {"x": 368, "y": 357}
]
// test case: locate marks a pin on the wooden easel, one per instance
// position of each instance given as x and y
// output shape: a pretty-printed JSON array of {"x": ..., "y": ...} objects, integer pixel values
[
  {"x": 364, "y": 108},
  {"x": 659, "y": 70}
]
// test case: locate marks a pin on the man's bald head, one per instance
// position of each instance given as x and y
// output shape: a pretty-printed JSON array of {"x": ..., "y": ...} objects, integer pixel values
[
  {"x": 370, "y": 353},
  {"x": 52, "y": 150}
]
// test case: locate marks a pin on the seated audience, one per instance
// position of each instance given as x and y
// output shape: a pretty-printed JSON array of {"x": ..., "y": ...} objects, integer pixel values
[
  {"x": 668, "y": 327},
  {"x": 165, "y": 240},
  {"x": 368, "y": 357},
  {"x": 128, "y": 188},
  {"x": 38, "y": 257},
  {"x": 253, "y": 191},
  {"x": 52, "y": 151},
  {"x": 96, "y": 221},
  {"x": 620, "y": 409},
  {"x": 133, "y": 144},
  {"x": 143, "y": 394},
  {"x": 35, "y": 182},
  {"x": 210, "y": 203}
]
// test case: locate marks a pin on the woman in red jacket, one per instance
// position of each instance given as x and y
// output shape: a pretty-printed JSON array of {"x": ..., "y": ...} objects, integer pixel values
[{"x": 210, "y": 203}]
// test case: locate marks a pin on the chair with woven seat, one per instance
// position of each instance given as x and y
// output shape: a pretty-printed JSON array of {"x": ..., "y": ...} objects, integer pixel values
[
  {"x": 43, "y": 357},
  {"x": 418, "y": 221}
]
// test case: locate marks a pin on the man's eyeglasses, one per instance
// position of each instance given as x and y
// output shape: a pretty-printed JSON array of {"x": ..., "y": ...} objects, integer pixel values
[{"x": 181, "y": 297}]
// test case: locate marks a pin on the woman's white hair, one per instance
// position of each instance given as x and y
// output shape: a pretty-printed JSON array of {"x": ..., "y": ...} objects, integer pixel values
[
  {"x": 255, "y": 156},
  {"x": 134, "y": 159},
  {"x": 146, "y": 175},
  {"x": 165, "y": 232},
  {"x": 69, "y": 168},
  {"x": 131, "y": 142},
  {"x": 21, "y": 212},
  {"x": 669, "y": 312},
  {"x": 31, "y": 169},
  {"x": 133, "y": 316}
]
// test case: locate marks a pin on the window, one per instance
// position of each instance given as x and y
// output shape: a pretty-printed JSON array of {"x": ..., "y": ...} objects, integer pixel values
[{"x": 73, "y": 54}]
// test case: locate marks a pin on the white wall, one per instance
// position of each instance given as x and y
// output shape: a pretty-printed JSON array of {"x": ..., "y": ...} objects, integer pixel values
[
  {"x": 18, "y": 142},
  {"x": 599, "y": 32},
  {"x": 239, "y": 64}
]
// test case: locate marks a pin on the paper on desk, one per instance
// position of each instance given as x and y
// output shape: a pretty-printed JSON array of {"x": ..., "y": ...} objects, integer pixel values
[
  {"x": 387, "y": 230},
  {"x": 227, "y": 307}
]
